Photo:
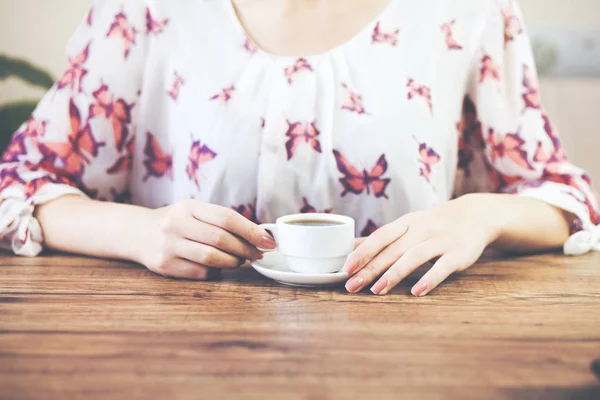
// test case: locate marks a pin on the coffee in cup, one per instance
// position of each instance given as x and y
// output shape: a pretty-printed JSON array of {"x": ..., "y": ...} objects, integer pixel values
[{"x": 314, "y": 243}]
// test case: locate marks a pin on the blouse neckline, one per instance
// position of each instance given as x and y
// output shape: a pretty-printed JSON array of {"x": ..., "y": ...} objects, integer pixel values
[{"x": 367, "y": 29}]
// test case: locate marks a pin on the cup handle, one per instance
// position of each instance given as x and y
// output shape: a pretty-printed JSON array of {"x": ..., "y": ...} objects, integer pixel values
[{"x": 273, "y": 229}]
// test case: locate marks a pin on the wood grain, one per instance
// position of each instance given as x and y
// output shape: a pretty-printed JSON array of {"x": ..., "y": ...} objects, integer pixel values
[{"x": 507, "y": 328}]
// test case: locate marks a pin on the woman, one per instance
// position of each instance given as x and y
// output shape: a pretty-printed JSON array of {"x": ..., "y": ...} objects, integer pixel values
[{"x": 363, "y": 108}]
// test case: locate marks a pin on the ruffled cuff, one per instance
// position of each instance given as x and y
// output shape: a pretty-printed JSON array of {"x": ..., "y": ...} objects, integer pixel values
[
  {"x": 586, "y": 235},
  {"x": 20, "y": 231}
]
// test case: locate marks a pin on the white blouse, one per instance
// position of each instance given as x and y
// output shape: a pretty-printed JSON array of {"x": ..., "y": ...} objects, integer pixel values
[{"x": 169, "y": 100}]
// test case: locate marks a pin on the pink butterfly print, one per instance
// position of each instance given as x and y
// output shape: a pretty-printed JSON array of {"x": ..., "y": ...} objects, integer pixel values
[
  {"x": 300, "y": 65},
  {"x": 558, "y": 151},
  {"x": 551, "y": 160},
  {"x": 450, "y": 39},
  {"x": 90, "y": 16},
  {"x": 309, "y": 209},
  {"x": 46, "y": 163},
  {"x": 34, "y": 128},
  {"x": 121, "y": 29},
  {"x": 120, "y": 197},
  {"x": 250, "y": 46},
  {"x": 79, "y": 147},
  {"x": 299, "y": 133},
  {"x": 553, "y": 135},
  {"x": 500, "y": 181},
  {"x": 428, "y": 159},
  {"x": 10, "y": 177},
  {"x": 384, "y": 37},
  {"x": 355, "y": 181},
  {"x": 34, "y": 186},
  {"x": 248, "y": 211},
  {"x": 125, "y": 162},
  {"x": 76, "y": 72},
  {"x": 199, "y": 155},
  {"x": 531, "y": 96},
  {"x": 225, "y": 94},
  {"x": 586, "y": 178},
  {"x": 509, "y": 146},
  {"x": 178, "y": 82},
  {"x": 369, "y": 228},
  {"x": 489, "y": 69},
  {"x": 157, "y": 162},
  {"x": 118, "y": 112},
  {"x": 354, "y": 101},
  {"x": 16, "y": 148},
  {"x": 154, "y": 26},
  {"x": 594, "y": 215},
  {"x": 512, "y": 24},
  {"x": 33, "y": 131},
  {"x": 423, "y": 91}
]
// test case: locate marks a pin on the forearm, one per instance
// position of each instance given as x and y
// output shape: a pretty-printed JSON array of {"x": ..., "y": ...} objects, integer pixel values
[
  {"x": 526, "y": 224},
  {"x": 78, "y": 225}
]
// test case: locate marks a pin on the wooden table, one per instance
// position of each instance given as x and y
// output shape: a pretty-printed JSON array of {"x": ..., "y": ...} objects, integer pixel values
[{"x": 508, "y": 328}]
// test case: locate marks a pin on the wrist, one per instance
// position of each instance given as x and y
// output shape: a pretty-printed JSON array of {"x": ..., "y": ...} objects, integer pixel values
[
  {"x": 493, "y": 212},
  {"x": 139, "y": 235}
]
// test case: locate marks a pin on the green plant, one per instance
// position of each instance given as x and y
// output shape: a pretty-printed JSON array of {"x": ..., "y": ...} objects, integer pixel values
[{"x": 13, "y": 114}]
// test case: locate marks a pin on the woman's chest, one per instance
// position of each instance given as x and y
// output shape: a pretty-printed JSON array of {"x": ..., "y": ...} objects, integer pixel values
[{"x": 395, "y": 89}]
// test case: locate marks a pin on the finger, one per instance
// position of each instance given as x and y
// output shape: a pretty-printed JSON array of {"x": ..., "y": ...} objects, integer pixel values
[
  {"x": 376, "y": 266},
  {"x": 205, "y": 255},
  {"x": 442, "y": 269},
  {"x": 359, "y": 241},
  {"x": 407, "y": 263},
  {"x": 373, "y": 245},
  {"x": 211, "y": 235},
  {"x": 235, "y": 223},
  {"x": 184, "y": 269}
]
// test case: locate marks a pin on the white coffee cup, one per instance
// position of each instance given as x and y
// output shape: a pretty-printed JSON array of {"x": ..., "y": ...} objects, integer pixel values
[{"x": 313, "y": 243}]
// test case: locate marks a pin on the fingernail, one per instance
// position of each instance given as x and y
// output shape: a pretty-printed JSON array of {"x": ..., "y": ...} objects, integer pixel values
[
  {"x": 419, "y": 289},
  {"x": 379, "y": 286},
  {"x": 351, "y": 266},
  {"x": 258, "y": 256},
  {"x": 355, "y": 284},
  {"x": 267, "y": 243}
]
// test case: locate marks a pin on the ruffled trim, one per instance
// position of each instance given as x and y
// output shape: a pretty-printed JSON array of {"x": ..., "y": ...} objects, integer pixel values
[
  {"x": 566, "y": 198},
  {"x": 20, "y": 231},
  {"x": 583, "y": 242}
]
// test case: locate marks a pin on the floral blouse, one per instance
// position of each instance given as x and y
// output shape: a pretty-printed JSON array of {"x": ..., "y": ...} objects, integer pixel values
[{"x": 170, "y": 100}]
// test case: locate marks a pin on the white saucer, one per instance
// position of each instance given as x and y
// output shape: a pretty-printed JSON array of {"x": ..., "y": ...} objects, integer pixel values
[{"x": 273, "y": 266}]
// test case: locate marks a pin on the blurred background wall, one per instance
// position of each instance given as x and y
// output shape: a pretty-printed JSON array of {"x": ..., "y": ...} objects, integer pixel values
[{"x": 39, "y": 31}]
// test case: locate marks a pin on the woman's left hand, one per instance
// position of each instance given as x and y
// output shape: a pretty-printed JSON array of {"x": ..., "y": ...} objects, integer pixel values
[{"x": 457, "y": 232}]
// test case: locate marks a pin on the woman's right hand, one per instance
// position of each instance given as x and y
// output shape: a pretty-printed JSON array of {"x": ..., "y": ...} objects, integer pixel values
[{"x": 188, "y": 239}]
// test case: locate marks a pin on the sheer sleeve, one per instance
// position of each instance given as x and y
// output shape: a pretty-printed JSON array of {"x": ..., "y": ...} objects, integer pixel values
[
  {"x": 503, "y": 120},
  {"x": 80, "y": 139}
]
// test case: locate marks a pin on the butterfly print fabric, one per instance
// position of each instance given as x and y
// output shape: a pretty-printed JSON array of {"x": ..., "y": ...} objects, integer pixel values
[
  {"x": 299, "y": 133},
  {"x": 150, "y": 112},
  {"x": 451, "y": 41}
]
